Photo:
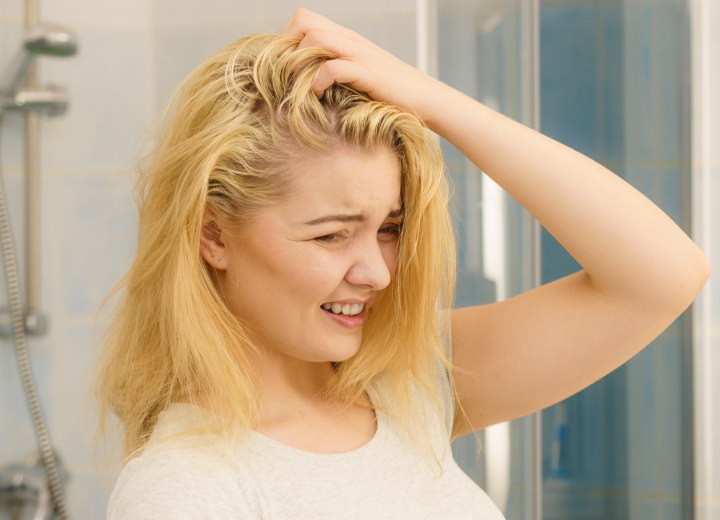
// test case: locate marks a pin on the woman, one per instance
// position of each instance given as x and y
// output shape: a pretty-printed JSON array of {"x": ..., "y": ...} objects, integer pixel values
[{"x": 281, "y": 349}]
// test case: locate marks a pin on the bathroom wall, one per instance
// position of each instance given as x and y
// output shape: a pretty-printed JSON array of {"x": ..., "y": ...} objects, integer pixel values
[
  {"x": 132, "y": 55},
  {"x": 87, "y": 223}
]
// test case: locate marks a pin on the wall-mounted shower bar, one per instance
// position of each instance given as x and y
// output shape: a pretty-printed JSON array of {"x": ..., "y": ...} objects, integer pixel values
[{"x": 32, "y": 181}]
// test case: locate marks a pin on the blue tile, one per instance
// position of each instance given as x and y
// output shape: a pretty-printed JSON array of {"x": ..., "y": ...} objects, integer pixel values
[
  {"x": 611, "y": 148},
  {"x": 641, "y": 507},
  {"x": 672, "y": 509},
  {"x": 568, "y": 82},
  {"x": 666, "y": 186}
]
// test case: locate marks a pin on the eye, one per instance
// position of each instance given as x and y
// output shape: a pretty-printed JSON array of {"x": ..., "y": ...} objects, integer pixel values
[
  {"x": 389, "y": 232},
  {"x": 330, "y": 238}
]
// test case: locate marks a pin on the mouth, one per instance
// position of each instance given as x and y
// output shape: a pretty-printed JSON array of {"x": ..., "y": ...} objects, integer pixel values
[{"x": 343, "y": 309}]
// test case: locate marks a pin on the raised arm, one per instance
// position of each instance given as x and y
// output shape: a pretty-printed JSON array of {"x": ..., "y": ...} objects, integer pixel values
[{"x": 640, "y": 271}]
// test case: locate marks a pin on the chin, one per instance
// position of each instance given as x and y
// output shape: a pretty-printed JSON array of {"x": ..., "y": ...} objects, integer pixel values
[
  {"x": 339, "y": 359},
  {"x": 337, "y": 355}
]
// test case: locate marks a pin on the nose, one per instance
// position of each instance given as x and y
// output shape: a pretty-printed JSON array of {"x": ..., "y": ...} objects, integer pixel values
[{"x": 369, "y": 267}]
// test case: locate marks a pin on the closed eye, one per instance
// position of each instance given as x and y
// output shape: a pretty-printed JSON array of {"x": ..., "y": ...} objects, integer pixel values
[
  {"x": 389, "y": 232},
  {"x": 330, "y": 238}
]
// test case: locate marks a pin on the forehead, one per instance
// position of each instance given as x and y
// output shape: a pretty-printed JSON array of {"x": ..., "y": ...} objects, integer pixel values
[{"x": 347, "y": 179}]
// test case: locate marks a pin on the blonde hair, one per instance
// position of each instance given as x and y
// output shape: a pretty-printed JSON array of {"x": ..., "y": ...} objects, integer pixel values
[{"x": 235, "y": 123}]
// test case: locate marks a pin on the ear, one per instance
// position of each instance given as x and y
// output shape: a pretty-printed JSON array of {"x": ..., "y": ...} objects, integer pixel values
[{"x": 212, "y": 248}]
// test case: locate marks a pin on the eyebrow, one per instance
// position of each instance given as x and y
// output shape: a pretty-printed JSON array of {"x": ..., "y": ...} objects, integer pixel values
[{"x": 354, "y": 217}]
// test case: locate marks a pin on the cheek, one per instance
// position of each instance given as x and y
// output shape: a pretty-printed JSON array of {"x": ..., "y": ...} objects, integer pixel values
[
  {"x": 390, "y": 255},
  {"x": 323, "y": 271},
  {"x": 297, "y": 272}
]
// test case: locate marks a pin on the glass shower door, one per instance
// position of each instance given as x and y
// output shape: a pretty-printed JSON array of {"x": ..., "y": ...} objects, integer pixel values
[
  {"x": 485, "y": 50},
  {"x": 615, "y": 86}
]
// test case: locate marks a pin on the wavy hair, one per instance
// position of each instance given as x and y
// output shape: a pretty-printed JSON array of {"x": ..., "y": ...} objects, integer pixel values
[{"x": 232, "y": 127}]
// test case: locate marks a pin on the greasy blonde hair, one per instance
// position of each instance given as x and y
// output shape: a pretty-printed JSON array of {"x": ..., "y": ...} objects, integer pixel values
[{"x": 234, "y": 125}]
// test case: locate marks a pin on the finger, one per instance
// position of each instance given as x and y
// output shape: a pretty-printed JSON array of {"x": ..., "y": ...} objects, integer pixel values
[
  {"x": 293, "y": 30},
  {"x": 302, "y": 21},
  {"x": 327, "y": 40},
  {"x": 305, "y": 22},
  {"x": 336, "y": 71}
]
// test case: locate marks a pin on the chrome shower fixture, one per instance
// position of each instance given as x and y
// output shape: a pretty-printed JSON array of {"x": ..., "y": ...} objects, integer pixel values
[
  {"x": 42, "y": 40},
  {"x": 51, "y": 41},
  {"x": 51, "y": 100}
]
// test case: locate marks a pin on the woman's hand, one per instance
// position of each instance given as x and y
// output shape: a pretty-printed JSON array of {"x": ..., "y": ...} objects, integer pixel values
[{"x": 363, "y": 65}]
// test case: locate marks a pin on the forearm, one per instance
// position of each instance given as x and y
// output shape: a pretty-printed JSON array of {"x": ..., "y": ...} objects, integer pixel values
[{"x": 627, "y": 245}]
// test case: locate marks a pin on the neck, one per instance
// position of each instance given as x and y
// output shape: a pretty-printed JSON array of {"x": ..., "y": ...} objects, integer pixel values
[{"x": 285, "y": 379}]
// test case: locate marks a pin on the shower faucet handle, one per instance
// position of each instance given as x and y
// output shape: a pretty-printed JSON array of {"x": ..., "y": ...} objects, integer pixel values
[{"x": 51, "y": 100}]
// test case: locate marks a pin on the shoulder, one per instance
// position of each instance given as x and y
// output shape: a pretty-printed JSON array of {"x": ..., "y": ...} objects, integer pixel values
[{"x": 179, "y": 484}]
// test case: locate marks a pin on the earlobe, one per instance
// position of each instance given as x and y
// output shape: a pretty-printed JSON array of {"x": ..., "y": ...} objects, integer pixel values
[{"x": 212, "y": 248}]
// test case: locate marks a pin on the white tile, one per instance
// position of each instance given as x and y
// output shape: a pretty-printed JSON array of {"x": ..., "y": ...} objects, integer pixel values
[
  {"x": 11, "y": 128},
  {"x": 11, "y": 34},
  {"x": 88, "y": 494},
  {"x": 76, "y": 347},
  {"x": 190, "y": 13},
  {"x": 128, "y": 14},
  {"x": 399, "y": 36},
  {"x": 11, "y": 143},
  {"x": 51, "y": 246},
  {"x": 17, "y": 438},
  {"x": 109, "y": 83},
  {"x": 92, "y": 466},
  {"x": 99, "y": 227},
  {"x": 13, "y": 186},
  {"x": 12, "y": 12},
  {"x": 712, "y": 110},
  {"x": 181, "y": 51}
]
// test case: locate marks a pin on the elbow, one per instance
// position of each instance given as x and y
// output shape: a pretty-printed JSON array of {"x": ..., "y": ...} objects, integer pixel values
[
  {"x": 704, "y": 271},
  {"x": 694, "y": 275}
]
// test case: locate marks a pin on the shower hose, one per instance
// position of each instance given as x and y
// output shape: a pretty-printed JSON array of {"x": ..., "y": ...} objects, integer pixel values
[{"x": 23, "y": 359}]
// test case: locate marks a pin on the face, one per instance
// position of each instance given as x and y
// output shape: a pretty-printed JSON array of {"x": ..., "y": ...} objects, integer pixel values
[{"x": 304, "y": 272}]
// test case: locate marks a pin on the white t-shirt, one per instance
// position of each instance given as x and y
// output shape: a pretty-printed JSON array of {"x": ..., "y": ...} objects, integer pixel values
[{"x": 261, "y": 478}]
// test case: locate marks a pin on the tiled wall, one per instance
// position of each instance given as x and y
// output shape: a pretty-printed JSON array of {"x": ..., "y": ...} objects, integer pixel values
[
  {"x": 87, "y": 223},
  {"x": 132, "y": 54}
]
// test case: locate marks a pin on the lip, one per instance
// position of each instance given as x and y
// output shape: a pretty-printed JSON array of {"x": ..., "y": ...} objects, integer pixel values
[{"x": 349, "y": 322}]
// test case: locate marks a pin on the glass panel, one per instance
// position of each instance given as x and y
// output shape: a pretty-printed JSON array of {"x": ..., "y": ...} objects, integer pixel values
[
  {"x": 482, "y": 45},
  {"x": 614, "y": 85}
]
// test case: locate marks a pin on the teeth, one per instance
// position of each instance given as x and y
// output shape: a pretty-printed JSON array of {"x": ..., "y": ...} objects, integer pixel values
[{"x": 349, "y": 309}]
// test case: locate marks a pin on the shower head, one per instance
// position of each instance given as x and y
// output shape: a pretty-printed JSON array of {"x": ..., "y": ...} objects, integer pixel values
[
  {"x": 50, "y": 41},
  {"x": 42, "y": 40}
]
